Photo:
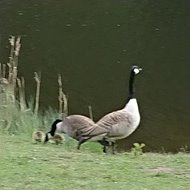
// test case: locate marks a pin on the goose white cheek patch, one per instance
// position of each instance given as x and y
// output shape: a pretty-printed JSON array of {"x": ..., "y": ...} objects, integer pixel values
[
  {"x": 49, "y": 136},
  {"x": 136, "y": 71}
]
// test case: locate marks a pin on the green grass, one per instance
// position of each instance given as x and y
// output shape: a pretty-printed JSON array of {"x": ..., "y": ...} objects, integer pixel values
[{"x": 24, "y": 165}]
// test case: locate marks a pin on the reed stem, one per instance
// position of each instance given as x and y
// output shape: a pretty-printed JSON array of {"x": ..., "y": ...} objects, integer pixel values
[
  {"x": 37, "y": 78},
  {"x": 90, "y": 112},
  {"x": 22, "y": 102},
  {"x": 62, "y": 98}
]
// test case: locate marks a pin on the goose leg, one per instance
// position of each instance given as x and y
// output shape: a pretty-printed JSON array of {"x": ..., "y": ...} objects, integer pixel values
[
  {"x": 113, "y": 147},
  {"x": 105, "y": 144},
  {"x": 105, "y": 149},
  {"x": 81, "y": 141}
]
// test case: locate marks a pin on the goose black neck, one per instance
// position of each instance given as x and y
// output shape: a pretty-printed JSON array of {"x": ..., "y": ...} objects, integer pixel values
[
  {"x": 54, "y": 126},
  {"x": 131, "y": 86}
]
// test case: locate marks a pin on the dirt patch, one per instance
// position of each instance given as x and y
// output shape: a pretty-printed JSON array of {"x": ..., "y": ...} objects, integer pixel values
[
  {"x": 168, "y": 170},
  {"x": 162, "y": 169}
]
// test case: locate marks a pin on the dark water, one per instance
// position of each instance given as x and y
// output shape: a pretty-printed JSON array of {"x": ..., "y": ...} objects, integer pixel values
[{"x": 93, "y": 43}]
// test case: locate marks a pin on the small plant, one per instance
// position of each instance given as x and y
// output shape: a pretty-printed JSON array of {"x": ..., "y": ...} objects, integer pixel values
[
  {"x": 184, "y": 149},
  {"x": 137, "y": 148}
]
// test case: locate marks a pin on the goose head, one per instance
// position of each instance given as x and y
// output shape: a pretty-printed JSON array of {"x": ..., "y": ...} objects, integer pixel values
[
  {"x": 136, "y": 69},
  {"x": 51, "y": 133}
]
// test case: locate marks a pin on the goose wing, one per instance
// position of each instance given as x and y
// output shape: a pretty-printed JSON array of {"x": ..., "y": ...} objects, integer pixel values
[
  {"x": 82, "y": 126},
  {"x": 117, "y": 123},
  {"x": 75, "y": 123}
]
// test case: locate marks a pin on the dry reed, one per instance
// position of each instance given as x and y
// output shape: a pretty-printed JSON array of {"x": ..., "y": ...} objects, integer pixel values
[
  {"x": 15, "y": 114},
  {"x": 37, "y": 77},
  {"x": 90, "y": 112},
  {"x": 21, "y": 92},
  {"x": 62, "y": 98}
]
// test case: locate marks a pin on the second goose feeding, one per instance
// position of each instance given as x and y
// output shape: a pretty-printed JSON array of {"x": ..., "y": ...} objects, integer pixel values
[{"x": 79, "y": 127}]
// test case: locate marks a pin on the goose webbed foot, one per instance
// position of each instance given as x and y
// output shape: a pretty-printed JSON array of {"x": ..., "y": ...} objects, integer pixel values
[
  {"x": 107, "y": 147},
  {"x": 113, "y": 147},
  {"x": 81, "y": 141}
]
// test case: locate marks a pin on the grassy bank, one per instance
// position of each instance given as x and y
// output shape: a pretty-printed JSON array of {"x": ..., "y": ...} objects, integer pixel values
[{"x": 24, "y": 165}]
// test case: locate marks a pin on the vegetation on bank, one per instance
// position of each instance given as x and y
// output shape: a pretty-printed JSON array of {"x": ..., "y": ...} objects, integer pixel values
[
  {"x": 17, "y": 114},
  {"x": 24, "y": 164}
]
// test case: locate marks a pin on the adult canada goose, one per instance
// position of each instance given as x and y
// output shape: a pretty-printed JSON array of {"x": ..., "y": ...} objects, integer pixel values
[
  {"x": 120, "y": 124},
  {"x": 78, "y": 127}
]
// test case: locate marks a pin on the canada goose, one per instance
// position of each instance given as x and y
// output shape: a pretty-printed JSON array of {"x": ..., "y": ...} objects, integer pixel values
[
  {"x": 120, "y": 124},
  {"x": 38, "y": 136},
  {"x": 57, "y": 139},
  {"x": 79, "y": 127}
]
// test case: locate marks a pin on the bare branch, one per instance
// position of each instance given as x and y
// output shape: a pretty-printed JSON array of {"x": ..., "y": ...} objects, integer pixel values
[
  {"x": 37, "y": 78},
  {"x": 90, "y": 112}
]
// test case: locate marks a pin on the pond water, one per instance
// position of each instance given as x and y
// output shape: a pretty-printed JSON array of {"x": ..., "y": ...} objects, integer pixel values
[{"x": 92, "y": 44}]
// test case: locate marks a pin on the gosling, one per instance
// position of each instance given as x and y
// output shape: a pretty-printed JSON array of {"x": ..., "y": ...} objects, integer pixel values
[
  {"x": 38, "y": 136},
  {"x": 57, "y": 139}
]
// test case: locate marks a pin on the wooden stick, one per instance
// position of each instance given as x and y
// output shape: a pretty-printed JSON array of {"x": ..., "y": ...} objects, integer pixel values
[
  {"x": 90, "y": 112},
  {"x": 62, "y": 98},
  {"x": 37, "y": 78},
  {"x": 10, "y": 74},
  {"x": 13, "y": 63},
  {"x": 17, "y": 50},
  {"x": 4, "y": 71},
  {"x": 12, "y": 43},
  {"x": 1, "y": 71},
  {"x": 14, "y": 79},
  {"x": 65, "y": 107},
  {"x": 21, "y": 93}
]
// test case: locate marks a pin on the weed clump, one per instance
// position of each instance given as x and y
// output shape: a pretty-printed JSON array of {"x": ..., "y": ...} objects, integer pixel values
[{"x": 137, "y": 149}]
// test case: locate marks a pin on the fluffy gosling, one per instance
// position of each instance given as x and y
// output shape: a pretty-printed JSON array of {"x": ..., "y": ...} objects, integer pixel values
[
  {"x": 38, "y": 136},
  {"x": 57, "y": 139}
]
